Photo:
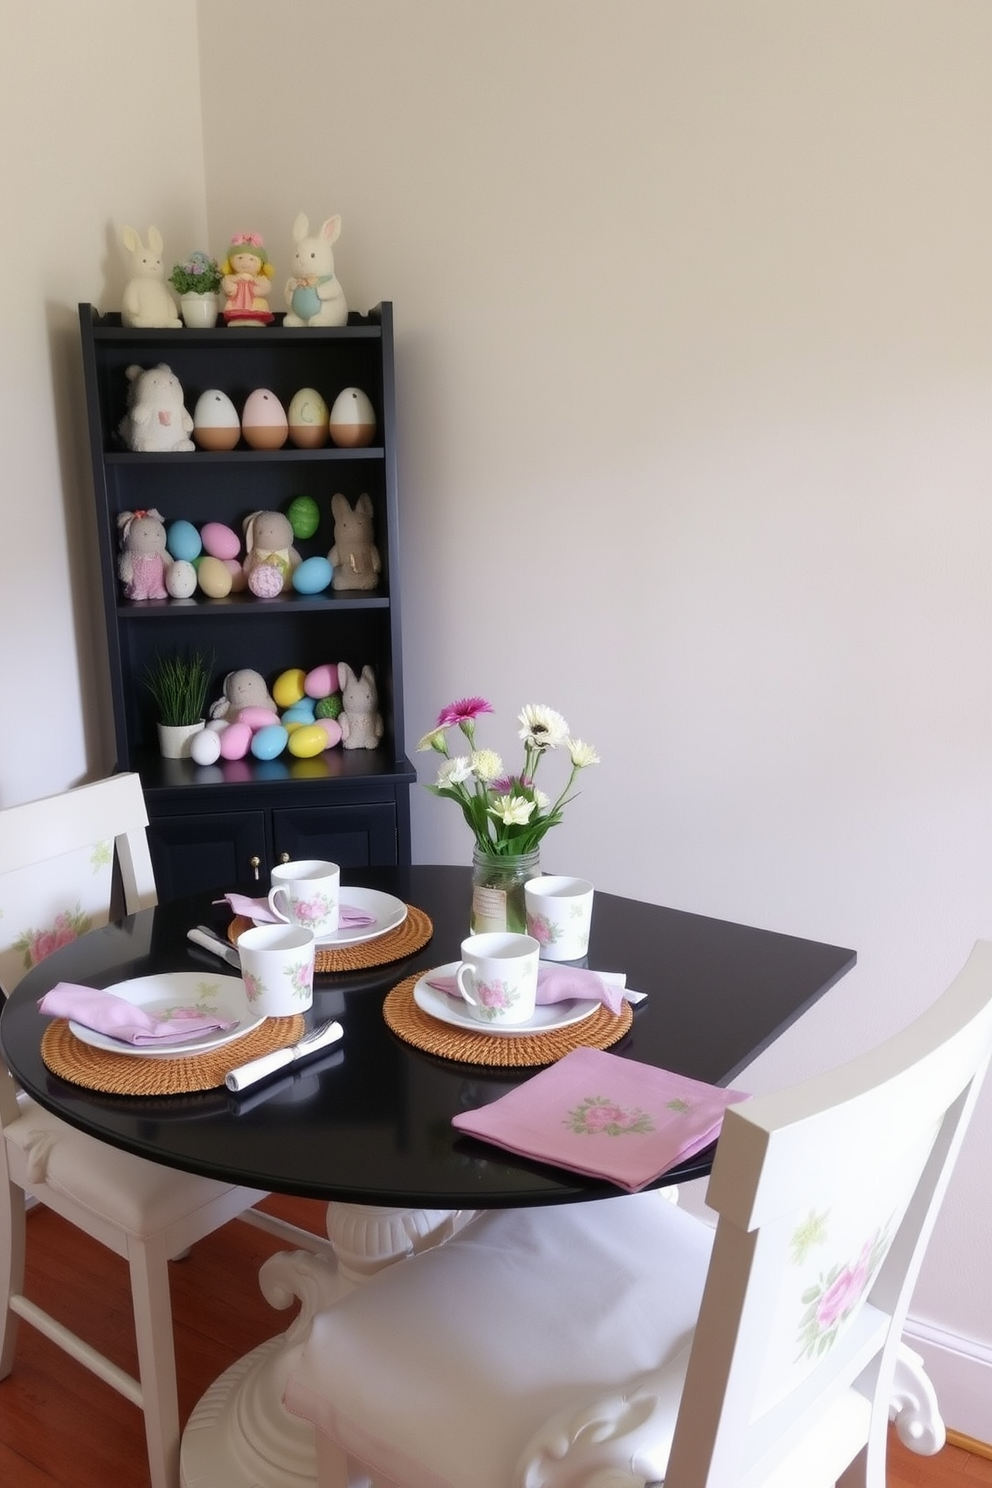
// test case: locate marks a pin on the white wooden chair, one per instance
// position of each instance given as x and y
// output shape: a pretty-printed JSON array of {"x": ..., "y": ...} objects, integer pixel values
[
  {"x": 56, "y": 865},
  {"x": 619, "y": 1343}
]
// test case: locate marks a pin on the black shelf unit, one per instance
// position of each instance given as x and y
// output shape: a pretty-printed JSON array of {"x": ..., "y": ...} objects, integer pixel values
[{"x": 213, "y": 826}]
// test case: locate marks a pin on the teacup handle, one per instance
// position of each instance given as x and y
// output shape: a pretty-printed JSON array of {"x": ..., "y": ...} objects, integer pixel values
[
  {"x": 461, "y": 975},
  {"x": 279, "y": 913}
]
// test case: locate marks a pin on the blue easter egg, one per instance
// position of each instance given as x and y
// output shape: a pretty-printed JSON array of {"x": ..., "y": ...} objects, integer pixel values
[
  {"x": 269, "y": 741},
  {"x": 312, "y": 575},
  {"x": 302, "y": 712},
  {"x": 183, "y": 541}
]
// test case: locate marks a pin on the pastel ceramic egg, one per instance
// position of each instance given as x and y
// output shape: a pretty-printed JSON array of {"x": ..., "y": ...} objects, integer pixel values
[
  {"x": 352, "y": 421},
  {"x": 239, "y": 579},
  {"x": 266, "y": 581},
  {"x": 204, "y": 747},
  {"x": 304, "y": 516},
  {"x": 308, "y": 419},
  {"x": 312, "y": 576},
  {"x": 288, "y": 687},
  {"x": 220, "y": 541},
  {"x": 332, "y": 729},
  {"x": 257, "y": 718},
  {"x": 269, "y": 742},
  {"x": 216, "y": 425},
  {"x": 214, "y": 578},
  {"x": 235, "y": 741},
  {"x": 180, "y": 579},
  {"x": 307, "y": 741},
  {"x": 263, "y": 421},
  {"x": 183, "y": 541},
  {"x": 322, "y": 681}
]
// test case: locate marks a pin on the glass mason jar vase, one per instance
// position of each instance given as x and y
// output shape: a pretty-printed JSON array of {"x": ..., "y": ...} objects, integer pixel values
[{"x": 498, "y": 889}]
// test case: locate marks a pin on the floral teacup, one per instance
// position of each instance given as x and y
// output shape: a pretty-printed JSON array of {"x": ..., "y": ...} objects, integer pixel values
[
  {"x": 277, "y": 969},
  {"x": 307, "y": 893},
  {"x": 497, "y": 977}
]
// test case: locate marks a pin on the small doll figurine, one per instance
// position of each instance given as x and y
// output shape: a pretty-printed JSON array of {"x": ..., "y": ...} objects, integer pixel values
[{"x": 247, "y": 281}]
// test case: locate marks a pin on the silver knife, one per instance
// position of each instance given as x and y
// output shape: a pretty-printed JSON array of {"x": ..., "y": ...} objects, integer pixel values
[{"x": 202, "y": 935}]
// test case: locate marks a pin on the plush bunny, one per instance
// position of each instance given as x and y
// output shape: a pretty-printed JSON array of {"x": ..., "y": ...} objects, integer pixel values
[
  {"x": 242, "y": 689},
  {"x": 148, "y": 299},
  {"x": 156, "y": 417},
  {"x": 269, "y": 546},
  {"x": 144, "y": 559},
  {"x": 313, "y": 294},
  {"x": 360, "y": 720},
  {"x": 354, "y": 556}
]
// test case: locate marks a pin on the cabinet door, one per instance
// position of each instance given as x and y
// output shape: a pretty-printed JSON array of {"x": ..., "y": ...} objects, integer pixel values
[
  {"x": 354, "y": 836},
  {"x": 216, "y": 850}
]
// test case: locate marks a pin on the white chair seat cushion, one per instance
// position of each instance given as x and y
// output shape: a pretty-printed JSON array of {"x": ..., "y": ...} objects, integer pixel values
[
  {"x": 523, "y": 1312},
  {"x": 139, "y": 1196}
]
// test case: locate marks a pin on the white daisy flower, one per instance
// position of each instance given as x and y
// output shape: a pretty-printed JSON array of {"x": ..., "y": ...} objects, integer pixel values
[
  {"x": 487, "y": 765},
  {"x": 455, "y": 771},
  {"x": 542, "y": 728},
  {"x": 582, "y": 754},
  {"x": 512, "y": 811}
]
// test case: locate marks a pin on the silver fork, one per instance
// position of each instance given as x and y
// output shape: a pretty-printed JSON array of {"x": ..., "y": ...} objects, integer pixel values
[{"x": 321, "y": 1037}]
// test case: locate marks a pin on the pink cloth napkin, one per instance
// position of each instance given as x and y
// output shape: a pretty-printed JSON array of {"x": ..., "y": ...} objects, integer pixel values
[
  {"x": 554, "y": 984},
  {"x": 349, "y": 918},
  {"x": 107, "y": 1013},
  {"x": 609, "y": 1117}
]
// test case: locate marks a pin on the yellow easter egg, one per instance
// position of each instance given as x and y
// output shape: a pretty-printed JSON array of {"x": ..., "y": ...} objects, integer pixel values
[
  {"x": 307, "y": 741},
  {"x": 214, "y": 578},
  {"x": 288, "y": 687}
]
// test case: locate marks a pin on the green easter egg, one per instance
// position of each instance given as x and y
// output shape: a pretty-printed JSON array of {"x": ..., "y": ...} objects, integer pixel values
[
  {"x": 329, "y": 707},
  {"x": 304, "y": 516}
]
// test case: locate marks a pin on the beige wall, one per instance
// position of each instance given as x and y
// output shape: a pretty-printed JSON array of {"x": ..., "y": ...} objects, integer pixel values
[{"x": 695, "y": 366}]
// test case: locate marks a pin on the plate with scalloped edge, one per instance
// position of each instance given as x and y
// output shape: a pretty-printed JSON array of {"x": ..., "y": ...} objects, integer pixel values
[
  {"x": 546, "y": 1019},
  {"x": 167, "y": 993}
]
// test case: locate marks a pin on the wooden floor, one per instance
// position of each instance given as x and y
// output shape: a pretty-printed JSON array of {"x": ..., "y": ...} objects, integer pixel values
[{"x": 60, "y": 1427}]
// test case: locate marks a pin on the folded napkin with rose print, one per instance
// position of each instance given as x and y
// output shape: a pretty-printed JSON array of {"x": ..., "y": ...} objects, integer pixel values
[
  {"x": 611, "y": 1118},
  {"x": 560, "y": 984},
  {"x": 107, "y": 1013},
  {"x": 258, "y": 910}
]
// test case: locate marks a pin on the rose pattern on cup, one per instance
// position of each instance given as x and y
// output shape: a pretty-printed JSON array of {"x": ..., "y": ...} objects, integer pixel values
[
  {"x": 543, "y": 931},
  {"x": 301, "y": 980},
  {"x": 495, "y": 997},
  {"x": 311, "y": 913},
  {"x": 254, "y": 986}
]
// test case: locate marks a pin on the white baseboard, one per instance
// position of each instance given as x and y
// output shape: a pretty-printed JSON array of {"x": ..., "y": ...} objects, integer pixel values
[{"x": 961, "y": 1372}]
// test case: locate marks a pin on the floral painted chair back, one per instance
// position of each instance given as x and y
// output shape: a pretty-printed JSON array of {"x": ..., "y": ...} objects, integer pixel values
[
  {"x": 827, "y": 1194},
  {"x": 59, "y": 860}
]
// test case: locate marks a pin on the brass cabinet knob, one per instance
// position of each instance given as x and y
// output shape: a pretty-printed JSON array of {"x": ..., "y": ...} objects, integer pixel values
[{"x": 254, "y": 864}]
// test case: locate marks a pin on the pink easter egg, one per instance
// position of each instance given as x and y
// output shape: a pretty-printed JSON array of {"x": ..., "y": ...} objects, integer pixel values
[
  {"x": 322, "y": 681},
  {"x": 257, "y": 718},
  {"x": 332, "y": 729},
  {"x": 265, "y": 581},
  {"x": 235, "y": 741},
  {"x": 219, "y": 541}
]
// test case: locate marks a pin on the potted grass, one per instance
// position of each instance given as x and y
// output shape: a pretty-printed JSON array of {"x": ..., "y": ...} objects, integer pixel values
[{"x": 178, "y": 683}]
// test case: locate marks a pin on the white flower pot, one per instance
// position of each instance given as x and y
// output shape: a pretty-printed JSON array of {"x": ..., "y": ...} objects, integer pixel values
[
  {"x": 174, "y": 738},
  {"x": 199, "y": 310}
]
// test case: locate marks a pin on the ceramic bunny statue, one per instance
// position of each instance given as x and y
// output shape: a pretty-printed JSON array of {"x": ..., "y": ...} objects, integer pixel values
[
  {"x": 147, "y": 297},
  {"x": 313, "y": 293},
  {"x": 144, "y": 558},
  {"x": 157, "y": 419},
  {"x": 361, "y": 722},
  {"x": 354, "y": 556}
]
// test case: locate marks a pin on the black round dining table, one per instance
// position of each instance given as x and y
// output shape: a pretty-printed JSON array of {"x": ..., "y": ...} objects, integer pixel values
[{"x": 369, "y": 1121}]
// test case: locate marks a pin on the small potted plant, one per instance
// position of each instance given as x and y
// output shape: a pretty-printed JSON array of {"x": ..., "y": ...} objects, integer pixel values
[
  {"x": 197, "y": 281},
  {"x": 178, "y": 683}
]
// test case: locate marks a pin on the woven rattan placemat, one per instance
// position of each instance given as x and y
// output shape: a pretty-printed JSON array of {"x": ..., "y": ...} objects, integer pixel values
[
  {"x": 129, "y": 1074},
  {"x": 601, "y": 1029},
  {"x": 408, "y": 938}
]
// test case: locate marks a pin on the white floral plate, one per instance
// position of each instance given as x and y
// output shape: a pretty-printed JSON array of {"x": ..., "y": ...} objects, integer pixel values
[
  {"x": 547, "y": 1017},
  {"x": 388, "y": 910},
  {"x": 220, "y": 995}
]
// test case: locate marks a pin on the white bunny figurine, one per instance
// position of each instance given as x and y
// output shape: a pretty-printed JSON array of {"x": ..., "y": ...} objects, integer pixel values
[
  {"x": 147, "y": 298},
  {"x": 313, "y": 293}
]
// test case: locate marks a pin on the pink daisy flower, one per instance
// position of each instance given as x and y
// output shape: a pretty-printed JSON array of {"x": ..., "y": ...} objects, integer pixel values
[{"x": 464, "y": 711}]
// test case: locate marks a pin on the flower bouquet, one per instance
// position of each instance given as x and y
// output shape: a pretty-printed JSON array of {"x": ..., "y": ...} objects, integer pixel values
[
  {"x": 198, "y": 274},
  {"x": 507, "y": 814}
]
